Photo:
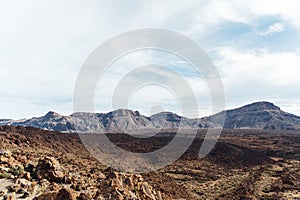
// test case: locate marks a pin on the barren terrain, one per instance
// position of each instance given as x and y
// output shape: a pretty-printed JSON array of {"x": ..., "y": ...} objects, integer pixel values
[{"x": 245, "y": 164}]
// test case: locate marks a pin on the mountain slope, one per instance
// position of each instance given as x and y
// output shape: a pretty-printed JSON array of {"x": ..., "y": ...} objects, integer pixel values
[
  {"x": 51, "y": 121},
  {"x": 259, "y": 115},
  {"x": 116, "y": 121}
]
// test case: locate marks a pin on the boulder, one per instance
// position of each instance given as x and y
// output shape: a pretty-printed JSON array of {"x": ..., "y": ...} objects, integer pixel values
[
  {"x": 5, "y": 153},
  {"x": 26, "y": 175},
  {"x": 147, "y": 190},
  {"x": 84, "y": 196},
  {"x": 66, "y": 194},
  {"x": 10, "y": 196},
  {"x": 62, "y": 194},
  {"x": 50, "y": 169},
  {"x": 25, "y": 184},
  {"x": 121, "y": 186}
]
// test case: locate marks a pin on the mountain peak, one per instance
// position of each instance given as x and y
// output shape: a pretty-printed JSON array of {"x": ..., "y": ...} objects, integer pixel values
[
  {"x": 121, "y": 112},
  {"x": 165, "y": 113},
  {"x": 258, "y": 115},
  {"x": 52, "y": 114},
  {"x": 262, "y": 105}
]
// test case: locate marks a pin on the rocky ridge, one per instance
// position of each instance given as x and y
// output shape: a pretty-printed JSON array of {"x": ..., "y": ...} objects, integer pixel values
[{"x": 259, "y": 115}]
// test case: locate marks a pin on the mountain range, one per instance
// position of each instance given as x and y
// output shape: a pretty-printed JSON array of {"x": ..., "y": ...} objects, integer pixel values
[{"x": 258, "y": 115}]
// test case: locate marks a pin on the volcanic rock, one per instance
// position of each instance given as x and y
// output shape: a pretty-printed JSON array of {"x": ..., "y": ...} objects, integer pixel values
[{"x": 50, "y": 169}]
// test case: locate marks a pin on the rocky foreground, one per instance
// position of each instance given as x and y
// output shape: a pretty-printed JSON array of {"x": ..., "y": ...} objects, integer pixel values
[
  {"x": 43, "y": 165},
  {"x": 48, "y": 180}
]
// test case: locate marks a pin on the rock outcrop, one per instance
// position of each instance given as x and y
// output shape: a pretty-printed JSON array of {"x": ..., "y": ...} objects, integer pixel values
[
  {"x": 50, "y": 169},
  {"x": 62, "y": 194}
]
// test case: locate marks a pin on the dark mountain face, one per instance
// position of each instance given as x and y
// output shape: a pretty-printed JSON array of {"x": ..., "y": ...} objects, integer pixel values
[
  {"x": 51, "y": 121},
  {"x": 260, "y": 115},
  {"x": 260, "y": 105}
]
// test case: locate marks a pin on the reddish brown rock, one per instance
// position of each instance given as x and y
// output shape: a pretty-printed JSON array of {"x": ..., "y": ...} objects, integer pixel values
[
  {"x": 84, "y": 196},
  {"x": 62, "y": 194},
  {"x": 47, "y": 196},
  {"x": 50, "y": 169},
  {"x": 66, "y": 194}
]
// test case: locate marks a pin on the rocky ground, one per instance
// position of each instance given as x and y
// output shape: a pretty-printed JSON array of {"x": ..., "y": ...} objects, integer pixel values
[{"x": 38, "y": 164}]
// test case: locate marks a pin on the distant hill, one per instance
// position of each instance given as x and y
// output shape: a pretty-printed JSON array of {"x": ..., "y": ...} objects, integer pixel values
[{"x": 259, "y": 115}]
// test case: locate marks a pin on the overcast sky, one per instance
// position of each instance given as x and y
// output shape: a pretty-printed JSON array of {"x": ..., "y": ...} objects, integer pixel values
[{"x": 43, "y": 44}]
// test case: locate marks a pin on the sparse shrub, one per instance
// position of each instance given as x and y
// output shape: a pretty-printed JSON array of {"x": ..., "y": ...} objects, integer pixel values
[
  {"x": 4, "y": 175},
  {"x": 15, "y": 152},
  {"x": 17, "y": 170},
  {"x": 265, "y": 190}
]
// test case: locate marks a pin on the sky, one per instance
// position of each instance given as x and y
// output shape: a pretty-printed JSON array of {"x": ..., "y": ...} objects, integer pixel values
[{"x": 43, "y": 45}]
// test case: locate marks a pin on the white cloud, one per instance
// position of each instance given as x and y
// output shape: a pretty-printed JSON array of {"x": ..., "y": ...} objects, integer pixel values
[
  {"x": 274, "y": 28},
  {"x": 288, "y": 9},
  {"x": 125, "y": 69},
  {"x": 214, "y": 13},
  {"x": 260, "y": 75},
  {"x": 278, "y": 69},
  {"x": 44, "y": 44}
]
